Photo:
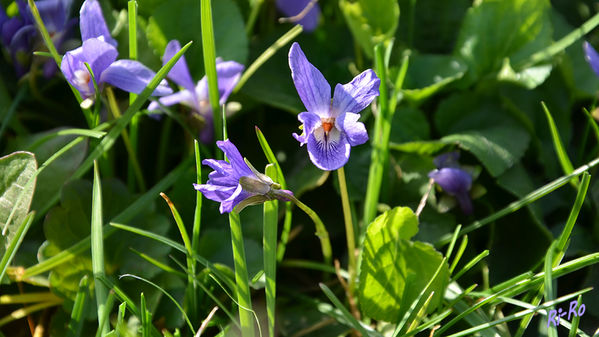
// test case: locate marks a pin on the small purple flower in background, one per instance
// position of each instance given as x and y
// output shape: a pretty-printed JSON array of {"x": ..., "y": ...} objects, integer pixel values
[
  {"x": 294, "y": 7},
  {"x": 591, "y": 56},
  {"x": 21, "y": 37},
  {"x": 195, "y": 96},
  {"x": 330, "y": 127},
  {"x": 453, "y": 180},
  {"x": 98, "y": 50},
  {"x": 236, "y": 184}
]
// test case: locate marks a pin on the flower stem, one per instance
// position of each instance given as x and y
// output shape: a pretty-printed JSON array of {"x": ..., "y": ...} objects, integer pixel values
[
  {"x": 244, "y": 298},
  {"x": 321, "y": 230},
  {"x": 349, "y": 229}
]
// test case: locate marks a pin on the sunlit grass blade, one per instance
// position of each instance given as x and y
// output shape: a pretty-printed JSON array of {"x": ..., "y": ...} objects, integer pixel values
[
  {"x": 146, "y": 321},
  {"x": 414, "y": 307},
  {"x": 548, "y": 285},
  {"x": 133, "y": 128},
  {"x": 209, "y": 52},
  {"x": 471, "y": 264},
  {"x": 269, "y": 242},
  {"x": 97, "y": 248},
  {"x": 244, "y": 297},
  {"x": 453, "y": 241},
  {"x": 30, "y": 297},
  {"x": 558, "y": 146},
  {"x": 462, "y": 295},
  {"x": 159, "y": 264},
  {"x": 516, "y": 205},
  {"x": 471, "y": 331},
  {"x": 197, "y": 215},
  {"x": 267, "y": 54},
  {"x": 139, "y": 205},
  {"x": 459, "y": 253},
  {"x": 68, "y": 132},
  {"x": 567, "y": 231},
  {"x": 26, "y": 311},
  {"x": 81, "y": 300},
  {"x": 167, "y": 295},
  {"x": 380, "y": 140},
  {"x": 15, "y": 243},
  {"x": 104, "y": 320},
  {"x": 120, "y": 318},
  {"x": 576, "y": 320},
  {"x": 430, "y": 323},
  {"x": 346, "y": 314},
  {"x": 421, "y": 313},
  {"x": 121, "y": 295}
]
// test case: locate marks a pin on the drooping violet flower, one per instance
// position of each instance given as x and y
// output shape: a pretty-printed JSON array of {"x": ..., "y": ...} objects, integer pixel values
[
  {"x": 453, "y": 180},
  {"x": 99, "y": 51},
  {"x": 236, "y": 184},
  {"x": 195, "y": 96},
  {"x": 591, "y": 56},
  {"x": 330, "y": 127},
  {"x": 292, "y": 8}
]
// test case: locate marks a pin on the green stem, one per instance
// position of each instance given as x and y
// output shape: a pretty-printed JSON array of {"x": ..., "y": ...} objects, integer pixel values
[
  {"x": 209, "y": 53},
  {"x": 133, "y": 127},
  {"x": 244, "y": 298},
  {"x": 249, "y": 27},
  {"x": 349, "y": 229},
  {"x": 269, "y": 242},
  {"x": 321, "y": 230},
  {"x": 97, "y": 249}
]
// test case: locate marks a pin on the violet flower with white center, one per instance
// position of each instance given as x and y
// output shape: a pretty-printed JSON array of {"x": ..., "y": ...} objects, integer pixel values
[
  {"x": 294, "y": 7},
  {"x": 590, "y": 54},
  {"x": 195, "y": 96},
  {"x": 235, "y": 184},
  {"x": 99, "y": 51},
  {"x": 453, "y": 180},
  {"x": 330, "y": 127}
]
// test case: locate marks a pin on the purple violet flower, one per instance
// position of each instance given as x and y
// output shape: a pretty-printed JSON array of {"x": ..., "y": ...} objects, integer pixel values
[
  {"x": 294, "y": 7},
  {"x": 236, "y": 184},
  {"x": 98, "y": 50},
  {"x": 591, "y": 56},
  {"x": 453, "y": 180},
  {"x": 330, "y": 127},
  {"x": 193, "y": 95}
]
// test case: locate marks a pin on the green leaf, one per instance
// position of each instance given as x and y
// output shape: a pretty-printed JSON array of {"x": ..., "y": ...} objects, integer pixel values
[
  {"x": 394, "y": 270},
  {"x": 409, "y": 124},
  {"x": 15, "y": 171},
  {"x": 180, "y": 20},
  {"x": 427, "y": 74},
  {"x": 371, "y": 21},
  {"x": 497, "y": 29},
  {"x": 498, "y": 148}
]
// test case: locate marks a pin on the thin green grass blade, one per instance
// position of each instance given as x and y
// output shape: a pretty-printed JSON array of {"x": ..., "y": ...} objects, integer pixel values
[
  {"x": 121, "y": 295},
  {"x": 241, "y": 277},
  {"x": 549, "y": 291},
  {"x": 167, "y": 295},
  {"x": 351, "y": 319},
  {"x": 430, "y": 323},
  {"x": 44, "y": 32},
  {"x": 564, "y": 237},
  {"x": 209, "y": 52},
  {"x": 380, "y": 140},
  {"x": 159, "y": 264},
  {"x": 462, "y": 295},
  {"x": 453, "y": 241},
  {"x": 29, "y": 297},
  {"x": 133, "y": 128},
  {"x": 120, "y": 318},
  {"x": 145, "y": 323},
  {"x": 459, "y": 253},
  {"x": 269, "y": 242},
  {"x": 76, "y": 322},
  {"x": 421, "y": 313},
  {"x": 197, "y": 215},
  {"x": 471, "y": 331},
  {"x": 108, "y": 309},
  {"x": 414, "y": 307},
  {"x": 560, "y": 150},
  {"x": 26, "y": 311},
  {"x": 575, "y": 321},
  {"x": 68, "y": 132},
  {"x": 97, "y": 247},
  {"x": 305, "y": 264},
  {"x": 127, "y": 214},
  {"x": 255, "y": 6},
  {"x": 267, "y": 54},
  {"x": 593, "y": 123},
  {"x": 180, "y": 224},
  {"x": 270, "y": 156},
  {"x": 15, "y": 243},
  {"x": 471, "y": 264},
  {"x": 516, "y": 205}
]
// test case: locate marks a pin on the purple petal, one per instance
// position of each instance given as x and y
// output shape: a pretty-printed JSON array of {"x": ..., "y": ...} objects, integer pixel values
[
  {"x": 99, "y": 54},
  {"x": 24, "y": 12},
  {"x": 3, "y": 16},
  {"x": 591, "y": 56},
  {"x": 76, "y": 73},
  {"x": 183, "y": 96},
  {"x": 133, "y": 76},
  {"x": 449, "y": 159},
  {"x": 357, "y": 94},
  {"x": 223, "y": 173},
  {"x": 311, "y": 86},
  {"x": 240, "y": 168},
  {"x": 354, "y": 130},
  {"x": 309, "y": 120},
  {"x": 294, "y": 7},
  {"x": 235, "y": 198},
  {"x": 92, "y": 22},
  {"x": 328, "y": 153},
  {"x": 228, "y": 74},
  {"x": 452, "y": 180},
  {"x": 180, "y": 72},
  {"x": 10, "y": 28},
  {"x": 215, "y": 192},
  {"x": 53, "y": 14}
]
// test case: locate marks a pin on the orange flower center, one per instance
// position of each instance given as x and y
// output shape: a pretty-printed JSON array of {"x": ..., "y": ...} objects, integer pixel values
[{"x": 327, "y": 124}]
